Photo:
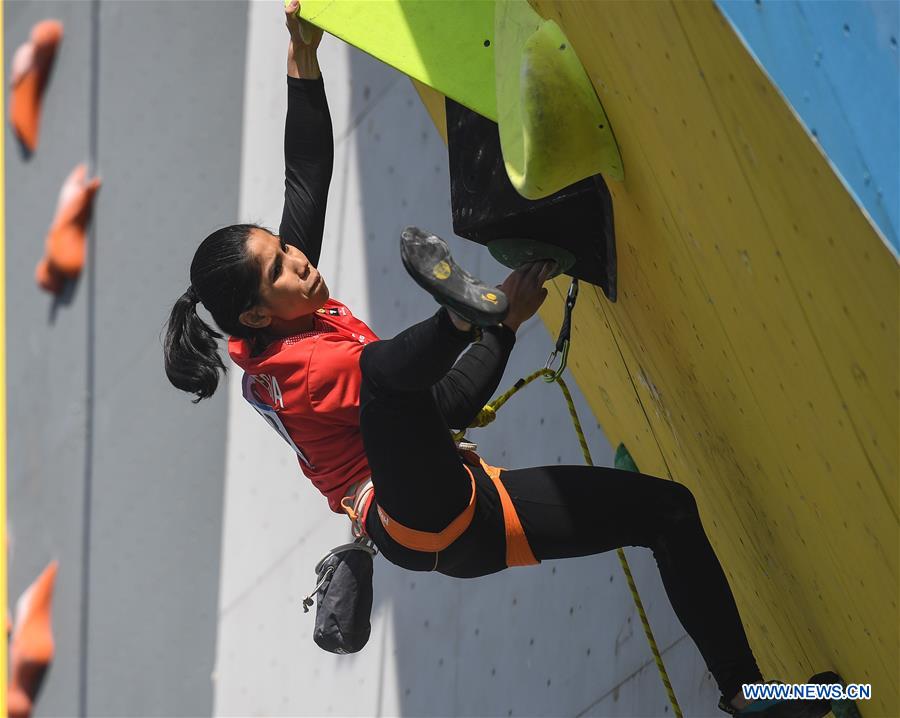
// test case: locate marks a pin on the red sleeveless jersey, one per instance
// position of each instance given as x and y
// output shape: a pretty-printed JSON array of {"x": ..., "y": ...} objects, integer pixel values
[{"x": 306, "y": 387}]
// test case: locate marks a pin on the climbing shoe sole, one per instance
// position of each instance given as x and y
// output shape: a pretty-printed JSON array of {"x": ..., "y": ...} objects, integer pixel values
[{"x": 427, "y": 259}]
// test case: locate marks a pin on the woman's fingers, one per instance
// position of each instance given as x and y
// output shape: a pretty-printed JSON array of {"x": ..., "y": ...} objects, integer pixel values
[
  {"x": 295, "y": 25},
  {"x": 525, "y": 283},
  {"x": 539, "y": 272},
  {"x": 529, "y": 272},
  {"x": 523, "y": 288},
  {"x": 291, "y": 21},
  {"x": 548, "y": 271}
]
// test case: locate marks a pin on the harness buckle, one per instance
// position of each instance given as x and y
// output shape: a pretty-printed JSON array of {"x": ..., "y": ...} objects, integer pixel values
[{"x": 354, "y": 503}]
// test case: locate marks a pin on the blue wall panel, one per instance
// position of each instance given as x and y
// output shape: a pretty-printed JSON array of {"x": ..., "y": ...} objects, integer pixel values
[{"x": 837, "y": 64}]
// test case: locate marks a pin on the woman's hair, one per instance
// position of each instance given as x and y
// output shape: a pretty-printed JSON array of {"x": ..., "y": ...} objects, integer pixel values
[{"x": 225, "y": 279}]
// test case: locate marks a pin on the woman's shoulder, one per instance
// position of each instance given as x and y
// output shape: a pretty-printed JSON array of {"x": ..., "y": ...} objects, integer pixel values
[
  {"x": 338, "y": 315},
  {"x": 291, "y": 351}
]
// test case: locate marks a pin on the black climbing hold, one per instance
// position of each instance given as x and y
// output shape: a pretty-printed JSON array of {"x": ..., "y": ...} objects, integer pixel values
[{"x": 486, "y": 207}]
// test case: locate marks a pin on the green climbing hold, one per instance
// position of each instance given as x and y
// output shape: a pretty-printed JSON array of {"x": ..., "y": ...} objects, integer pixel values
[
  {"x": 624, "y": 460},
  {"x": 513, "y": 253}
]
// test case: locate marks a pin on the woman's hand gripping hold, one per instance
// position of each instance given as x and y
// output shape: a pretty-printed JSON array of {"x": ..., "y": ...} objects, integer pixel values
[
  {"x": 305, "y": 39},
  {"x": 524, "y": 288}
]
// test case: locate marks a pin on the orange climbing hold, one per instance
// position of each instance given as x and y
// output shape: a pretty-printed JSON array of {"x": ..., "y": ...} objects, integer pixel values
[
  {"x": 65, "y": 249},
  {"x": 31, "y": 648},
  {"x": 31, "y": 67},
  {"x": 47, "y": 278},
  {"x": 18, "y": 704},
  {"x": 66, "y": 239}
]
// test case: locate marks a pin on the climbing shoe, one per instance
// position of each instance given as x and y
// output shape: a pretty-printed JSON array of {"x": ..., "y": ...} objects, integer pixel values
[
  {"x": 775, "y": 708},
  {"x": 428, "y": 261}
]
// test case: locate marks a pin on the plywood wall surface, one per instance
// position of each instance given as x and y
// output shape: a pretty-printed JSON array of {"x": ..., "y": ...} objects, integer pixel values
[{"x": 753, "y": 353}]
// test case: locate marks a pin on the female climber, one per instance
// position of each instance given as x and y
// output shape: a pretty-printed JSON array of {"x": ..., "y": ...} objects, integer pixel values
[{"x": 361, "y": 412}]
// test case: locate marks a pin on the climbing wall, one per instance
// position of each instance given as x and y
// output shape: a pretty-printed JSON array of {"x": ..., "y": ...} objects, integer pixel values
[
  {"x": 816, "y": 55},
  {"x": 561, "y": 639},
  {"x": 753, "y": 352}
]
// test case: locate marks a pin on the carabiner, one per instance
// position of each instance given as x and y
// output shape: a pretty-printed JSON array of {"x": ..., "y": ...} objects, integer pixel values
[
  {"x": 564, "y": 356},
  {"x": 564, "y": 339}
]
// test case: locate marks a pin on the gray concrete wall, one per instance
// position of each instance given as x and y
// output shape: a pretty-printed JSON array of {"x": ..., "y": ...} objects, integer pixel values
[{"x": 103, "y": 453}]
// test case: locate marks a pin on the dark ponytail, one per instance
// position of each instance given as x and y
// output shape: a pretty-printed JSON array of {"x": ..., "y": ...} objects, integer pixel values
[
  {"x": 225, "y": 279},
  {"x": 191, "y": 351}
]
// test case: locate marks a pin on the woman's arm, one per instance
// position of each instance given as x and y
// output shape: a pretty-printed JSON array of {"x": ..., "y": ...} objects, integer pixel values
[
  {"x": 472, "y": 381},
  {"x": 308, "y": 142},
  {"x": 470, "y": 384}
]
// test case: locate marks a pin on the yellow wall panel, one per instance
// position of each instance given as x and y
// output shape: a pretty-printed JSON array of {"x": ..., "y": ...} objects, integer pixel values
[
  {"x": 753, "y": 353},
  {"x": 434, "y": 103},
  {"x": 758, "y": 319}
]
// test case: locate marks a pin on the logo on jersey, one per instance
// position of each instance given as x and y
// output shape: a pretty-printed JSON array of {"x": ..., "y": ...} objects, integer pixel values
[
  {"x": 270, "y": 384},
  {"x": 333, "y": 311}
]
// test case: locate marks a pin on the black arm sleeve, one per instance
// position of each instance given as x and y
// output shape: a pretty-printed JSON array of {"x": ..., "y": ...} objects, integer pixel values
[
  {"x": 308, "y": 161},
  {"x": 470, "y": 384}
]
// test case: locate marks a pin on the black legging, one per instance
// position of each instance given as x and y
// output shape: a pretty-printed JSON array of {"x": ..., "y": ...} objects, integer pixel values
[{"x": 566, "y": 511}]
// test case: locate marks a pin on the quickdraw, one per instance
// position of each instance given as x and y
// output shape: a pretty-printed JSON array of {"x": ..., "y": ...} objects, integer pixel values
[{"x": 561, "y": 349}]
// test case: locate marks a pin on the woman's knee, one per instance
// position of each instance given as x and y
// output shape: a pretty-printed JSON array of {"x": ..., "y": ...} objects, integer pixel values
[
  {"x": 679, "y": 504},
  {"x": 667, "y": 508}
]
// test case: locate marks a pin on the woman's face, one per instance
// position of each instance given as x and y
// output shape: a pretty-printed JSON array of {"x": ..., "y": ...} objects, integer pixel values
[{"x": 290, "y": 288}]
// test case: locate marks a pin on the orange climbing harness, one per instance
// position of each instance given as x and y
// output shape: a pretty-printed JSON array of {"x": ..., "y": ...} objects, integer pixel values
[
  {"x": 518, "y": 550},
  {"x": 356, "y": 503},
  {"x": 430, "y": 541},
  {"x": 358, "y": 500}
]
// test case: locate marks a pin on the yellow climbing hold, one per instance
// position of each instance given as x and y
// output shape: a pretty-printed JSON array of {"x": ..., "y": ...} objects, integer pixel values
[
  {"x": 446, "y": 45},
  {"x": 501, "y": 60},
  {"x": 553, "y": 130}
]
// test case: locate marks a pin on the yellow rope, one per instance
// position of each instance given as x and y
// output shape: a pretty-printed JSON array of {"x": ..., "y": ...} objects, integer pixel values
[{"x": 489, "y": 413}]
